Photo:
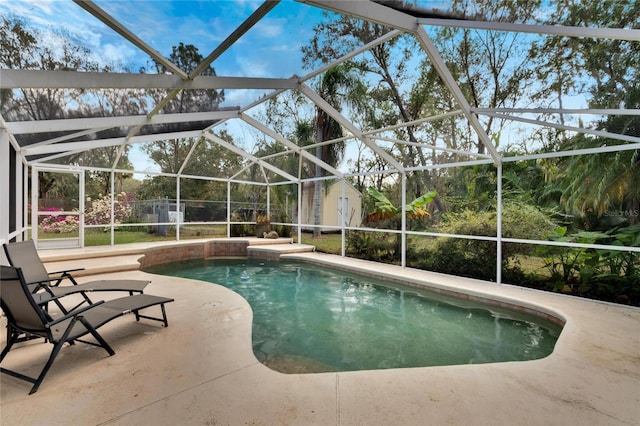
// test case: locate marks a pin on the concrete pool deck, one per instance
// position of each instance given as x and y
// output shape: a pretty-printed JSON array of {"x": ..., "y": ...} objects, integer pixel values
[{"x": 201, "y": 369}]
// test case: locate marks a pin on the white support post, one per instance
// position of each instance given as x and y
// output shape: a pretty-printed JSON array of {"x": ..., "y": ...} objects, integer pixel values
[
  {"x": 342, "y": 221},
  {"x": 25, "y": 201},
  {"x": 34, "y": 205},
  {"x": 269, "y": 201},
  {"x": 403, "y": 249},
  {"x": 300, "y": 208},
  {"x": 4, "y": 185},
  {"x": 19, "y": 206},
  {"x": 112, "y": 225},
  {"x": 177, "y": 208},
  {"x": 228, "y": 209},
  {"x": 499, "y": 226},
  {"x": 81, "y": 215}
]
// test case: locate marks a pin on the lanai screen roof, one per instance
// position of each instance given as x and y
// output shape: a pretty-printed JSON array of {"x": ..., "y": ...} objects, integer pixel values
[{"x": 53, "y": 140}]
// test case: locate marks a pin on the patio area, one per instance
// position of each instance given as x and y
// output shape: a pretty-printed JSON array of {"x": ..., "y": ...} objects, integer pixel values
[{"x": 201, "y": 369}]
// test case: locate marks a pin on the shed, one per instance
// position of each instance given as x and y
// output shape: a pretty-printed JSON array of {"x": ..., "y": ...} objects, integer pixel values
[{"x": 334, "y": 209}]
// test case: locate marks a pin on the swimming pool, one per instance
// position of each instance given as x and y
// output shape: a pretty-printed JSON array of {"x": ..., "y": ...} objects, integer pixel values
[{"x": 308, "y": 318}]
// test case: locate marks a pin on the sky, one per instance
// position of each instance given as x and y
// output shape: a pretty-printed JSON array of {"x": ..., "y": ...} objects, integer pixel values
[{"x": 272, "y": 48}]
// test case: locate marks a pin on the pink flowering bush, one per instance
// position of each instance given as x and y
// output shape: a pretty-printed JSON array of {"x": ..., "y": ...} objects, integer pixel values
[
  {"x": 99, "y": 212},
  {"x": 96, "y": 213},
  {"x": 59, "y": 224}
]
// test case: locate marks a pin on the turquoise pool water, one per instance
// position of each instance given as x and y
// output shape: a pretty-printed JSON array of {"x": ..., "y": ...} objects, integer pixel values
[{"x": 312, "y": 319}]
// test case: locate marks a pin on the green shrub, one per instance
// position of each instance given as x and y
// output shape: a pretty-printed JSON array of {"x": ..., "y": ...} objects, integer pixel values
[
  {"x": 603, "y": 274},
  {"x": 477, "y": 258},
  {"x": 378, "y": 246}
]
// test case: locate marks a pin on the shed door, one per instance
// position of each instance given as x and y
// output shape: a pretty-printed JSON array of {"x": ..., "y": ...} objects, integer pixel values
[{"x": 343, "y": 211}]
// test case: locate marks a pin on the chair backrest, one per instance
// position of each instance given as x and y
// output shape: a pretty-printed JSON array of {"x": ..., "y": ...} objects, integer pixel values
[
  {"x": 18, "y": 303},
  {"x": 24, "y": 255}
]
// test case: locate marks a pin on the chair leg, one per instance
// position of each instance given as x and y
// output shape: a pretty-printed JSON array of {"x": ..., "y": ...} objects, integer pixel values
[
  {"x": 62, "y": 341},
  {"x": 97, "y": 336},
  {"x": 163, "y": 320},
  {"x": 164, "y": 315},
  {"x": 12, "y": 337},
  {"x": 45, "y": 370}
]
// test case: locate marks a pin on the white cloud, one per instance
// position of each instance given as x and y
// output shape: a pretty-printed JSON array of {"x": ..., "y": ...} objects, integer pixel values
[
  {"x": 271, "y": 27},
  {"x": 120, "y": 53}
]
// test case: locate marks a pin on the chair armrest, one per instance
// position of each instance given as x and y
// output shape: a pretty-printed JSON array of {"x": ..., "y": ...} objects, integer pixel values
[
  {"x": 73, "y": 314},
  {"x": 40, "y": 284},
  {"x": 66, "y": 274},
  {"x": 66, "y": 271}
]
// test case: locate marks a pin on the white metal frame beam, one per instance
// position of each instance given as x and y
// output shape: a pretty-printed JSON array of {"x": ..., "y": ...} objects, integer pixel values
[
  {"x": 369, "y": 11},
  {"x": 73, "y": 147},
  {"x": 440, "y": 66},
  {"x": 558, "y": 30},
  {"x": 55, "y": 79},
  {"x": 576, "y": 111},
  {"x": 601, "y": 133},
  {"x": 292, "y": 146},
  {"x": 103, "y": 16},
  {"x": 252, "y": 158},
  {"x": 248, "y": 23},
  {"x": 429, "y": 146},
  {"x": 69, "y": 124},
  {"x": 336, "y": 115}
]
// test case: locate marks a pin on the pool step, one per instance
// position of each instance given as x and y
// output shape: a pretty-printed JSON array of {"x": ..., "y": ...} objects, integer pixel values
[
  {"x": 273, "y": 251},
  {"x": 96, "y": 266},
  {"x": 106, "y": 259}
]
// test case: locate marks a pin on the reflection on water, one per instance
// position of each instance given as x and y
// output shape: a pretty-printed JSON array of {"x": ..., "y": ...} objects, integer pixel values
[{"x": 311, "y": 319}]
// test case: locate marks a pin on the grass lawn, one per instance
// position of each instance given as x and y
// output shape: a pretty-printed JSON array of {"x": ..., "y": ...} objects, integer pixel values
[
  {"x": 326, "y": 243},
  {"x": 127, "y": 235}
]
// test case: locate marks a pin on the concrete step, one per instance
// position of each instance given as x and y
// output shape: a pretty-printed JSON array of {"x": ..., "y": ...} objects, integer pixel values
[
  {"x": 96, "y": 266},
  {"x": 274, "y": 251},
  {"x": 97, "y": 260}
]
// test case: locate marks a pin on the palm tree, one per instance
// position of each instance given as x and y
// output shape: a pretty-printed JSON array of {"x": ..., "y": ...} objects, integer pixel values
[
  {"x": 338, "y": 86},
  {"x": 597, "y": 185}
]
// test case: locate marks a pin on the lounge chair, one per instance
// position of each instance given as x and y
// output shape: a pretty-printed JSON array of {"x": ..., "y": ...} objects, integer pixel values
[
  {"x": 26, "y": 317},
  {"x": 24, "y": 255}
]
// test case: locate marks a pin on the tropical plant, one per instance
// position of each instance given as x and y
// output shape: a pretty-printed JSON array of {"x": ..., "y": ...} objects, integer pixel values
[
  {"x": 387, "y": 246},
  {"x": 605, "y": 274},
  {"x": 384, "y": 209}
]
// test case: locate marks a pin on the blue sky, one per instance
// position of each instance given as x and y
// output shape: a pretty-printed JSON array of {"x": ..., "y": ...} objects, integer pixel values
[{"x": 270, "y": 49}]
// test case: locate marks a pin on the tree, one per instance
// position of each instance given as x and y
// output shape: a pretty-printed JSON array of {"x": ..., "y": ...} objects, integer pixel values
[
  {"x": 385, "y": 70},
  {"x": 187, "y": 58},
  {"x": 202, "y": 156},
  {"x": 21, "y": 47},
  {"x": 612, "y": 79},
  {"x": 207, "y": 159},
  {"x": 338, "y": 86},
  {"x": 493, "y": 69}
]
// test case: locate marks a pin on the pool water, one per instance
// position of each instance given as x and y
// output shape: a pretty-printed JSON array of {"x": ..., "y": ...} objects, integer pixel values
[{"x": 314, "y": 319}]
